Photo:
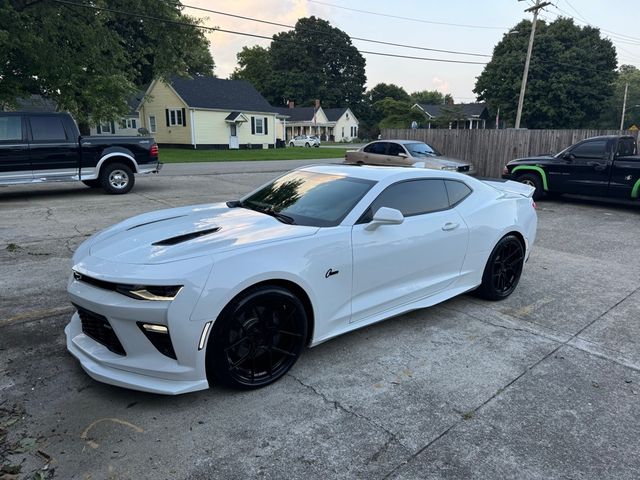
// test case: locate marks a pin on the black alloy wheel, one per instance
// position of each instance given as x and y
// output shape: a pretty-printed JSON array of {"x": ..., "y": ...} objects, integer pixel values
[
  {"x": 257, "y": 338},
  {"x": 533, "y": 180},
  {"x": 503, "y": 269}
]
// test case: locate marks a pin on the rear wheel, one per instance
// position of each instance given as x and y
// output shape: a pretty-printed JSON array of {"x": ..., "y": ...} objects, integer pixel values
[
  {"x": 117, "y": 178},
  {"x": 534, "y": 181},
  {"x": 258, "y": 338},
  {"x": 291, "y": 144},
  {"x": 504, "y": 267},
  {"x": 307, "y": 144}
]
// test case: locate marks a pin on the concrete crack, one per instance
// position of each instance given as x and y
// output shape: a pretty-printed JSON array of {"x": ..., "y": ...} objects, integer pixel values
[{"x": 392, "y": 438}]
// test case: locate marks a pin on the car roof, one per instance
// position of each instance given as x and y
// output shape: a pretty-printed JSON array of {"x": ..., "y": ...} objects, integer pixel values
[
  {"x": 377, "y": 173},
  {"x": 403, "y": 142}
]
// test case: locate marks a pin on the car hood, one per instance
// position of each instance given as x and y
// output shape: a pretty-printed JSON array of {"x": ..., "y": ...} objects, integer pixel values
[{"x": 181, "y": 233}]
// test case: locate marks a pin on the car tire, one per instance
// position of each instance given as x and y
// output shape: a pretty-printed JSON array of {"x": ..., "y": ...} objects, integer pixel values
[
  {"x": 92, "y": 183},
  {"x": 503, "y": 269},
  {"x": 307, "y": 145},
  {"x": 532, "y": 180},
  {"x": 117, "y": 178},
  {"x": 257, "y": 338}
]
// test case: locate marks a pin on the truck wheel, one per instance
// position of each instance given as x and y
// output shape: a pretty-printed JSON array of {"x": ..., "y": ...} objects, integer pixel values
[
  {"x": 91, "y": 183},
  {"x": 117, "y": 178},
  {"x": 534, "y": 181}
]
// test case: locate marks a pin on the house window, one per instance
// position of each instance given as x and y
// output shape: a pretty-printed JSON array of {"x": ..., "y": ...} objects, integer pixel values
[
  {"x": 175, "y": 116},
  {"x": 342, "y": 132},
  {"x": 259, "y": 126},
  {"x": 131, "y": 123},
  {"x": 123, "y": 123},
  {"x": 152, "y": 123},
  {"x": 105, "y": 128}
]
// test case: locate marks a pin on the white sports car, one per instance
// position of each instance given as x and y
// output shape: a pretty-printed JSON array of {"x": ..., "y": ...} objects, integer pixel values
[{"x": 171, "y": 300}]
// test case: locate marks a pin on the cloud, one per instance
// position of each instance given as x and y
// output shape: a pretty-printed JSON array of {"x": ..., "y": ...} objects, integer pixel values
[
  {"x": 225, "y": 46},
  {"x": 441, "y": 85}
]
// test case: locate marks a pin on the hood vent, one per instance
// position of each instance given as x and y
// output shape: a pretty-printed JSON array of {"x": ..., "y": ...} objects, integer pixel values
[
  {"x": 185, "y": 238},
  {"x": 155, "y": 221}
]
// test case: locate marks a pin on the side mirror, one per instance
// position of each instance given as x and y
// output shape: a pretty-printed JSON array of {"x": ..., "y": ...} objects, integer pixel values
[
  {"x": 403, "y": 155},
  {"x": 385, "y": 216},
  {"x": 569, "y": 156}
]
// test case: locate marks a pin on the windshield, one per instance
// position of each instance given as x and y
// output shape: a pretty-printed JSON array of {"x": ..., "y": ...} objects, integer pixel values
[
  {"x": 421, "y": 150},
  {"x": 309, "y": 198}
]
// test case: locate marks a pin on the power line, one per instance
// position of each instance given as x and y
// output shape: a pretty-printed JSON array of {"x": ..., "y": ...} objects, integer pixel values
[
  {"x": 253, "y": 35},
  {"x": 380, "y": 42},
  {"x": 368, "y": 12}
]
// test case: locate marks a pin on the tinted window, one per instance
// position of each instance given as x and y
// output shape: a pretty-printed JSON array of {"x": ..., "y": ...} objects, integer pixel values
[
  {"x": 10, "y": 129},
  {"x": 395, "y": 149},
  {"x": 377, "y": 148},
  {"x": 413, "y": 198},
  {"x": 626, "y": 147},
  {"x": 592, "y": 149},
  {"x": 47, "y": 129},
  {"x": 457, "y": 191},
  {"x": 310, "y": 198}
]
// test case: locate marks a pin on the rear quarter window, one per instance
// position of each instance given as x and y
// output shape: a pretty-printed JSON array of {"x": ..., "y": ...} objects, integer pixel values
[
  {"x": 10, "y": 128},
  {"x": 378, "y": 148},
  {"x": 456, "y": 191}
]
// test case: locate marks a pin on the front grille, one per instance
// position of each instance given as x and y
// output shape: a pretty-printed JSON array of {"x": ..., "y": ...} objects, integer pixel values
[
  {"x": 463, "y": 168},
  {"x": 98, "y": 328}
]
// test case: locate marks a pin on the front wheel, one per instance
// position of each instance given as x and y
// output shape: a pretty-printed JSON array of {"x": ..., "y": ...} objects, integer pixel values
[
  {"x": 534, "y": 181},
  {"x": 504, "y": 267},
  {"x": 117, "y": 178},
  {"x": 291, "y": 144},
  {"x": 257, "y": 338},
  {"x": 307, "y": 145}
]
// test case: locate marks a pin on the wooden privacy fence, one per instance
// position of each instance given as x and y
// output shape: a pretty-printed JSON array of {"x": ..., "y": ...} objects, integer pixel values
[{"x": 490, "y": 150}]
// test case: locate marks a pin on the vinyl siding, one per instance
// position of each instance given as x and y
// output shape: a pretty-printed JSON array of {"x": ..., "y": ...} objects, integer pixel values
[
  {"x": 347, "y": 124},
  {"x": 211, "y": 128},
  {"x": 163, "y": 97}
]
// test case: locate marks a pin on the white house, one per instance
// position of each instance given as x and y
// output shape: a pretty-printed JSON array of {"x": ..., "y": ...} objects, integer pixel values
[
  {"x": 460, "y": 116},
  {"x": 333, "y": 124},
  {"x": 208, "y": 112}
]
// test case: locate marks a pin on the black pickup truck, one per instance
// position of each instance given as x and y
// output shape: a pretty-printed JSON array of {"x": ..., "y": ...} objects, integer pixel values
[
  {"x": 606, "y": 166},
  {"x": 47, "y": 147}
]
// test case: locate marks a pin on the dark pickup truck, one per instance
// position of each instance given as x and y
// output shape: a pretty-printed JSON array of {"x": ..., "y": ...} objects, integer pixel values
[
  {"x": 47, "y": 147},
  {"x": 606, "y": 166}
]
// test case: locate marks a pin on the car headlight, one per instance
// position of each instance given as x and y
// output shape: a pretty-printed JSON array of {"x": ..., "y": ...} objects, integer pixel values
[{"x": 149, "y": 292}]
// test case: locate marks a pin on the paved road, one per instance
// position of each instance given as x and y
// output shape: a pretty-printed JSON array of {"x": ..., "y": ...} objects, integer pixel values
[{"x": 543, "y": 385}]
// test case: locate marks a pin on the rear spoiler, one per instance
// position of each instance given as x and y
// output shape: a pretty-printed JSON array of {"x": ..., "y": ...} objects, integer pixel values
[{"x": 510, "y": 186}]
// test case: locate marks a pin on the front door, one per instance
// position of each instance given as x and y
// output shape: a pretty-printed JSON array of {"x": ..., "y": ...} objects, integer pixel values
[
  {"x": 233, "y": 137},
  {"x": 394, "y": 265},
  {"x": 14, "y": 149}
]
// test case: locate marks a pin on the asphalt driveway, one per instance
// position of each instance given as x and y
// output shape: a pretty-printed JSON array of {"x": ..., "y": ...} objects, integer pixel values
[{"x": 545, "y": 384}]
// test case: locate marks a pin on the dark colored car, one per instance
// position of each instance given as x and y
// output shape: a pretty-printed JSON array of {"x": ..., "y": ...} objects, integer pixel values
[
  {"x": 606, "y": 166},
  {"x": 47, "y": 147}
]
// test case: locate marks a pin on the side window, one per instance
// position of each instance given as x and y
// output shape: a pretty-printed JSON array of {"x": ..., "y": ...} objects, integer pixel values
[
  {"x": 47, "y": 129},
  {"x": 592, "y": 149},
  {"x": 378, "y": 148},
  {"x": 10, "y": 128},
  {"x": 414, "y": 197},
  {"x": 395, "y": 149},
  {"x": 457, "y": 191},
  {"x": 626, "y": 147}
]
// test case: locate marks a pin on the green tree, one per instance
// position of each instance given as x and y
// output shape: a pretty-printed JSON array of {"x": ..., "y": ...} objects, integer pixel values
[
  {"x": 387, "y": 90},
  {"x": 254, "y": 66},
  {"x": 89, "y": 61},
  {"x": 572, "y": 69},
  {"x": 626, "y": 75},
  {"x": 313, "y": 61},
  {"x": 428, "y": 97},
  {"x": 397, "y": 113}
]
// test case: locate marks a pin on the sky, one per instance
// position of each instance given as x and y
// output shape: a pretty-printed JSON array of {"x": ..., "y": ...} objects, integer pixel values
[{"x": 483, "y": 24}]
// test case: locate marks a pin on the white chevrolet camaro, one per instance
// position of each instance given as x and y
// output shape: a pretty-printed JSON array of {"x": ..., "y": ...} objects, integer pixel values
[{"x": 172, "y": 300}]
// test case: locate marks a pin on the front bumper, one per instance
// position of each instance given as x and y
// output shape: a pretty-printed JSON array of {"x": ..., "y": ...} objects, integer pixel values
[{"x": 142, "y": 366}]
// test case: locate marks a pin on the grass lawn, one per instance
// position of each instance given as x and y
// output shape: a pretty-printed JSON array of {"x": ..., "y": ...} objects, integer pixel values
[{"x": 179, "y": 155}]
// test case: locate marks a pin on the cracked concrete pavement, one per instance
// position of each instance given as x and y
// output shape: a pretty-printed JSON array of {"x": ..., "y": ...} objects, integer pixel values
[{"x": 545, "y": 384}]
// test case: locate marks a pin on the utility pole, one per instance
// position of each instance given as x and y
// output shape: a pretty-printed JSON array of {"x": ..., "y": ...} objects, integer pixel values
[
  {"x": 624, "y": 106},
  {"x": 523, "y": 86}
]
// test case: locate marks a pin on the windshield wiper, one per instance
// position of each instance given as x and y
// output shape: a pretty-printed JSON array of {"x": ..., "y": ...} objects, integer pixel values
[{"x": 266, "y": 210}]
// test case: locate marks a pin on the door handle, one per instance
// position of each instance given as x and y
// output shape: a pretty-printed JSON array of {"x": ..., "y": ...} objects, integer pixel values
[
  {"x": 597, "y": 166},
  {"x": 450, "y": 226}
]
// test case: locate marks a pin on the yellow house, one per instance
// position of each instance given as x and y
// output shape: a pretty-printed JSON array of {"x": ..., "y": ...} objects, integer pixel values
[
  {"x": 208, "y": 112},
  {"x": 333, "y": 124}
]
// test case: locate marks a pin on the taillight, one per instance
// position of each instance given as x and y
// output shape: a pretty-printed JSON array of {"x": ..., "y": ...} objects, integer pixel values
[
  {"x": 505, "y": 170},
  {"x": 154, "y": 150},
  {"x": 533, "y": 204}
]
